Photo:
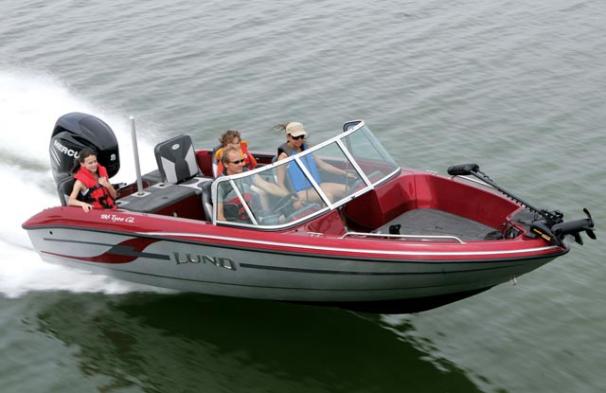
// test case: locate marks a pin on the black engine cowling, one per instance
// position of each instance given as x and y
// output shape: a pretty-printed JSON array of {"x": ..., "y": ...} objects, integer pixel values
[{"x": 73, "y": 132}]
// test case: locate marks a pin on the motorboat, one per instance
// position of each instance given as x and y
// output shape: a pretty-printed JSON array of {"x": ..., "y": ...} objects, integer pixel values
[{"x": 394, "y": 240}]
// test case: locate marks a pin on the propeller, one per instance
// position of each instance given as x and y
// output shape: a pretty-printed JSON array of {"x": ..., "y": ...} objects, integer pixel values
[{"x": 575, "y": 228}]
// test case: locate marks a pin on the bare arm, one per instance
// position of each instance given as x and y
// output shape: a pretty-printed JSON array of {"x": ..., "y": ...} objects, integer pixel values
[
  {"x": 281, "y": 171},
  {"x": 329, "y": 168},
  {"x": 220, "y": 214},
  {"x": 73, "y": 197},
  {"x": 270, "y": 187},
  {"x": 105, "y": 183}
]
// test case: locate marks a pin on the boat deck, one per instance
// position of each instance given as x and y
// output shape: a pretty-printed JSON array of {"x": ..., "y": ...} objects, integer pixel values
[{"x": 433, "y": 222}]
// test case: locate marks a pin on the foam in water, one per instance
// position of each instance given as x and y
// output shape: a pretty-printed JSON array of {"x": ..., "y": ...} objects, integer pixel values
[{"x": 29, "y": 106}]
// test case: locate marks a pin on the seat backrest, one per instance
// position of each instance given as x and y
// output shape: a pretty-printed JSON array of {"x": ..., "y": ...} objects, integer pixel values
[
  {"x": 64, "y": 189},
  {"x": 207, "y": 203},
  {"x": 204, "y": 158},
  {"x": 176, "y": 159}
]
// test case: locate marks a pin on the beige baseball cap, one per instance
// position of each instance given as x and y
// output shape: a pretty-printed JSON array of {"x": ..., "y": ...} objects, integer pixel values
[{"x": 294, "y": 128}]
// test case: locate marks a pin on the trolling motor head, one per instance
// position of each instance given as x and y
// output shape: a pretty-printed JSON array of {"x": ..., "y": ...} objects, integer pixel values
[{"x": 463, "y": 169}]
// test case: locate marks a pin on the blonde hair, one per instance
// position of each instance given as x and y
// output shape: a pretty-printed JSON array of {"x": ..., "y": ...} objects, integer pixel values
[
  {"x": 226, "y": 152},
  {"x": 228, "y": 136},
  {"x": 281, "y": 127}
]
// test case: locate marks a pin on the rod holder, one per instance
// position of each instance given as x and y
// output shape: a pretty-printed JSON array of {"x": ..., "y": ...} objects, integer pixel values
[{"x": 133, "y": 133}]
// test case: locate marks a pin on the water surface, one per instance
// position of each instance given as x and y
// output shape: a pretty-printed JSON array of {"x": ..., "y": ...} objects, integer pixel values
[{"x": 517, "y": 87}]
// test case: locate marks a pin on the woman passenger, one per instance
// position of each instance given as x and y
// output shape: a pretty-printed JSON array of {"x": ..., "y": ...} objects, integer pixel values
[
  {"x": 92, "y": 189},
  {"x": 232, "y": 138},
  {"x": 295, "y": 143}
]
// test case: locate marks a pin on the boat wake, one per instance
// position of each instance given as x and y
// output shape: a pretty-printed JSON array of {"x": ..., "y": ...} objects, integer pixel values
[{"x": 29, "y": 106}]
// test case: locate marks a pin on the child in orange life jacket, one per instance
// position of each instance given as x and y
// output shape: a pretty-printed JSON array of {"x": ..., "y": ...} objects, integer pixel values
[
  {"x": 92, "y": 184},
  {"x": 232, "y": 138}
]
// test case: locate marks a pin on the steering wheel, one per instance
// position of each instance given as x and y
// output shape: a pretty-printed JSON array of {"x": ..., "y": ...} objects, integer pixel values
[{"x": 283, "y": 203}]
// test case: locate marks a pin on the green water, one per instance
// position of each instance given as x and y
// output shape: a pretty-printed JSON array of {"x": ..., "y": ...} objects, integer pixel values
[{"x": 517, "y": 87}]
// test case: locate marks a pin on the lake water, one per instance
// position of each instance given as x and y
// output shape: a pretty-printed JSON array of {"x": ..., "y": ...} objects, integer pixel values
[{"x": 517, "y": 86}]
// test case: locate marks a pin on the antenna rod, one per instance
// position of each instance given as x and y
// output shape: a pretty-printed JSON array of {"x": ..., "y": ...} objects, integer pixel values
[{"x": 136, "y": 155}]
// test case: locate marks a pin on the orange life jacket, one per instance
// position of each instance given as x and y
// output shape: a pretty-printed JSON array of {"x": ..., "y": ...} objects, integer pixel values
[
  {"x": 97, "y": 195},
  {"x": 249, "y": 160}
]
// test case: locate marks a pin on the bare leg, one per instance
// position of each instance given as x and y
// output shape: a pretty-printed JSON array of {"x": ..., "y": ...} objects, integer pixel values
[
  {"x": 334, "y": 191},
  {"x": 307, "y": 195},
  {"x": 263, "y": 199}
]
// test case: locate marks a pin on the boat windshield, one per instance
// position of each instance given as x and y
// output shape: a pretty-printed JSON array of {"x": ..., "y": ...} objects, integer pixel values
[{"x": 302, "y": 186}]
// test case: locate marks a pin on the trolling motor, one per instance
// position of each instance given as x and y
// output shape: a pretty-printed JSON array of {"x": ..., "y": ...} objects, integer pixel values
[{"x": 550, "y": 226}]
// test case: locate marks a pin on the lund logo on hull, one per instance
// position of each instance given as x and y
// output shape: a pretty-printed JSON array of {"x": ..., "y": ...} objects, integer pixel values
[{"x": 225, "y": 263}]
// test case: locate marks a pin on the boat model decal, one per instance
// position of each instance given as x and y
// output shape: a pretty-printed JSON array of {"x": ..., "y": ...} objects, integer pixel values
[
  {"x": 116, "y": 218},
  {"x": 355, "y": 250},
  {"x": 124, "y": 252}
]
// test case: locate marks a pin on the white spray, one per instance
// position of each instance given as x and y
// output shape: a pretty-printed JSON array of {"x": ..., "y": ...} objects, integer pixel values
[{"x": 29, "y": 106}]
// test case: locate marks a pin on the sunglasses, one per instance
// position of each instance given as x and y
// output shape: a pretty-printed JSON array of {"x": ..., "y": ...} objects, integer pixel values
[
  {"x": 237, "y": 161},
  {"x": 298, "y": 137}
]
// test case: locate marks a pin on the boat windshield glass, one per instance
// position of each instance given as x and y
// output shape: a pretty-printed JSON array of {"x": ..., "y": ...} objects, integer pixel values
[{"x": 297, "y": 188}]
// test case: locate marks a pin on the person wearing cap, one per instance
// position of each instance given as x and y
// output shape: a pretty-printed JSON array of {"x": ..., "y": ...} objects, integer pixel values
[{"x": 295, "y": 143}]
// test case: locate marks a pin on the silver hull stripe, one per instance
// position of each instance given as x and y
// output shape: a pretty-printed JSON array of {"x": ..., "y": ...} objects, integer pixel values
[{"x": 353, "y": 250}]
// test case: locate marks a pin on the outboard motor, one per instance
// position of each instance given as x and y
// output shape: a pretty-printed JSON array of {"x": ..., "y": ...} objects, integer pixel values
[{"x": 72, "y": 133}]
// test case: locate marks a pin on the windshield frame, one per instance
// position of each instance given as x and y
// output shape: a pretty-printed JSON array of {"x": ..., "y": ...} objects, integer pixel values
[{"x": 350, "y": 128}]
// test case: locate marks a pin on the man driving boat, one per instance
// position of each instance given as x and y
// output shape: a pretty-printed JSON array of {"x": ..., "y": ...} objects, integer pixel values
[{"x": 255, "y": 188}]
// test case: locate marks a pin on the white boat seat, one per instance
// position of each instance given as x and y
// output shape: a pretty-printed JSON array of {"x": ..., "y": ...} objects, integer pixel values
[
  {"x": 176, "y": 159},
  {"x": 64, "y": 188}
]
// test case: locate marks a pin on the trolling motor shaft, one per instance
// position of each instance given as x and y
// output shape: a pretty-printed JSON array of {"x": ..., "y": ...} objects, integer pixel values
[{"x": 552, "y": 226}]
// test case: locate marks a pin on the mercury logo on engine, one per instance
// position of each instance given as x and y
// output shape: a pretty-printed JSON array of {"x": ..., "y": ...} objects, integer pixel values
[
  {"x": 65, "y": 150},
  {"x": 225, "y": 263}
]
